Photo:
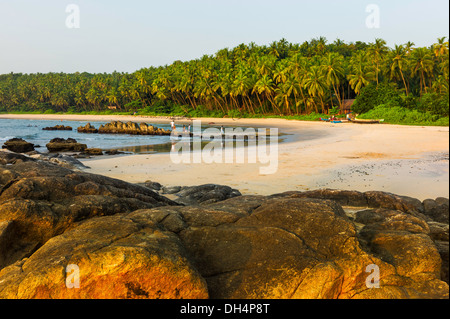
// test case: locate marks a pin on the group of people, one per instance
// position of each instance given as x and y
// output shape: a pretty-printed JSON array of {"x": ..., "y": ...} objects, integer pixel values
[{"x": 186, "y": 129}]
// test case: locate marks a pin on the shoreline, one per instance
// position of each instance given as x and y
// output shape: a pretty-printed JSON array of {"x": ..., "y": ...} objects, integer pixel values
[{"x": 395, "y": 158}]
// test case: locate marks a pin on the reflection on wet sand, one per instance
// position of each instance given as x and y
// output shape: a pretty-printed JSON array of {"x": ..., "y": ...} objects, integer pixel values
[{"x": 189, "y": 144}]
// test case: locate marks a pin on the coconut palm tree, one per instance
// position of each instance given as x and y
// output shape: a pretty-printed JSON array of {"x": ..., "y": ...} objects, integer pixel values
[
  {"x": 377, "y": 50},
  {"x": 422, "y": 63},
  {"x": 334, "y": 72},
  {"x": 361, "y": 73},
  {"x": 440, "y": 48},
  {"x": 397, "y": 63},
  {"x": 316, "y": 84},
  {"x": 266, "y": 86}
]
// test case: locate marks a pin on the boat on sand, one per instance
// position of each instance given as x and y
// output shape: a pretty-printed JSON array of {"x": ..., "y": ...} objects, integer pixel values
[{"x": 363, "y": 121}]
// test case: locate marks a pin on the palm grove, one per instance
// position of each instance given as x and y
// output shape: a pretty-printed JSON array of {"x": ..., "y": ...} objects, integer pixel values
[{"x": 278, "y": 79}]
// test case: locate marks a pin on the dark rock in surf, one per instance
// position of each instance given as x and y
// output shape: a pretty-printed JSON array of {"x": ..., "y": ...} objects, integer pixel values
[
  {"x": 18, "y": 145},
  {"x": 65, "y": 145}
]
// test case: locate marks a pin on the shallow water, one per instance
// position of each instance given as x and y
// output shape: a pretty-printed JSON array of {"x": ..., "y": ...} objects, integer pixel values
[{"x": 31, "y": 131}]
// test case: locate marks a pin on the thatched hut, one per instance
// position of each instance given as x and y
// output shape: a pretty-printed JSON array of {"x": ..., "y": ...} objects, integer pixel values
[{"x": 347, "y": 106}]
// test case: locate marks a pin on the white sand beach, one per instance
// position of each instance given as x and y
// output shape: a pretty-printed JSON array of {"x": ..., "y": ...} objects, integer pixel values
[{"x": 405, "y": 160}]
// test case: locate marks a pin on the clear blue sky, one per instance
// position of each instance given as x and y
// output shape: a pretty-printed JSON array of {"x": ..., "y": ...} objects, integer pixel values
[{"x": 128, "y": 35}]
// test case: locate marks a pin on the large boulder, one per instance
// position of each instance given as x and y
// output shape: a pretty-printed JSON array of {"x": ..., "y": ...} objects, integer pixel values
[
  {"x": 115, "y": 257},
  {"x": 263, "y": 247},
  {"x": 43, "y": 200},
  {"x": 307, "y": 248}
]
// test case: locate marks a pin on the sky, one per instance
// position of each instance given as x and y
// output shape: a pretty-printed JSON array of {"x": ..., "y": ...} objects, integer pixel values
[{"x": 125, "y": 36}]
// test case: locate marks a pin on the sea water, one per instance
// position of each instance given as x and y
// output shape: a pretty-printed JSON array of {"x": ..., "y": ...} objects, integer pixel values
[{"x": 32, "y": 131}]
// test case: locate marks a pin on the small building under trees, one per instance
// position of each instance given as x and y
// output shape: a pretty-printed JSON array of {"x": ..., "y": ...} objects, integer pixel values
[{"x": 346, "y": 106}]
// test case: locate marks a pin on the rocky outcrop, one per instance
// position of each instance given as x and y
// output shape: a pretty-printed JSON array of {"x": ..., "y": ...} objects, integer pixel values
[
  {"x": 43, "y": 200},
  {"x": 58, "y": 128},
  {"x": 118, "y": 127},
  {"x": 18, "y": 145},
  {"x": 132, "y": 128},
  {"x": 88, "y": 128},
  {"x": 130, "y": 242},
  {"x": 65, "y": 145}
]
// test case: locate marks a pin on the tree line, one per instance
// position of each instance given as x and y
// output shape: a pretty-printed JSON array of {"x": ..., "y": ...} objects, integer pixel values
[{"x": 281, "y": 78}]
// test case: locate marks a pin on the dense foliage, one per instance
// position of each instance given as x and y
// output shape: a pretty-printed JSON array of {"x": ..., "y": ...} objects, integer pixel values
[{"x": 279, "y": 79}]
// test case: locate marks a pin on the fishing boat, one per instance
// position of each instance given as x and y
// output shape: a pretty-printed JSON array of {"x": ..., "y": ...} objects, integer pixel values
[{"x": 363, "y": 121}]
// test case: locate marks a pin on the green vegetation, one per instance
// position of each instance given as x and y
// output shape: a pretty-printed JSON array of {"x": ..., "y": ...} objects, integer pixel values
[
  {"x": 302, "y": 81},
  {"x": 401, "y": 115}
]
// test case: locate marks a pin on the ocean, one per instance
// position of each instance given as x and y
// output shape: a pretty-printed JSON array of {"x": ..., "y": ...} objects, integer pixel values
[{"x": 31, "y": 131}]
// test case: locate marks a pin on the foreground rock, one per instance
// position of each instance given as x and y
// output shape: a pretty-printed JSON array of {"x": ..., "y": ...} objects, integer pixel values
[
  {"x": 65, "y": 145},
  {"x": 129, "y": 242},
  {"x": 117, "y": 258},
  {"x": 43, "y": 200},
  {"x": 18, "y": 145}
]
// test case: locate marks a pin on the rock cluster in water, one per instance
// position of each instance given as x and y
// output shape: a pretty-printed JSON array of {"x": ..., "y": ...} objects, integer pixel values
[
  {"x": 88, "y": 128},
  {"x": 65, "y": 145},
  {"x": 117, "y": 127},
  {"x": 210, "y": 241},
  {"x": 58, "y": 128}
]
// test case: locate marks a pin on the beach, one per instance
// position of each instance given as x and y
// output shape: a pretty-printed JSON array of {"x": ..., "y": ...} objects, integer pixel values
[{"x": 405, "y": 160}]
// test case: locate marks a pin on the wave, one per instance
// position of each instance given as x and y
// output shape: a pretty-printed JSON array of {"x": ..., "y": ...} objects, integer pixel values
[{"x": 6, "y": 138}]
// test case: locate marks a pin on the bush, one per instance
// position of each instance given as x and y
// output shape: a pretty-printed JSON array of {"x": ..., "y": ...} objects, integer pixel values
[
  {"x": 372, "y": 96},
  {"x": 133, "y": 106},
  {"x": 434, "y": 103},
  {"x": 400, "y": 115},
  {"x": 234, "y": 114}
]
